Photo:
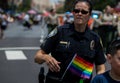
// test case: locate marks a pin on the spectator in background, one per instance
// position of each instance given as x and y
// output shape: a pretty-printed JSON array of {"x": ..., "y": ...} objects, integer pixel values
[
  {"x": 27, "y": 21},
  {"x": 3, "y": 24},
  {"x": 52, "y": 20},
  {"x": 115, "y": 23},
  {"x": 97, "y": 22},
  {"x": 37, "y": 18},
  {"x": 1, "y": 30},
  {"x": 61, "y": 20},
  {"x": 112, "y": 75},
  {"x": 90, "y": 23},
  {"x": 106, "y": 27},
  {"x": 118, "y": 24},
  {"x": 68, "y": 18},
  {"x": 118, "y": 5}
]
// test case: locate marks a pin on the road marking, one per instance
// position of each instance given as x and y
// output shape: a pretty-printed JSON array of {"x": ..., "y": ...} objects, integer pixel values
[
  {"x": 20, "y": 48},
  {"x": 15, "y": 55}
]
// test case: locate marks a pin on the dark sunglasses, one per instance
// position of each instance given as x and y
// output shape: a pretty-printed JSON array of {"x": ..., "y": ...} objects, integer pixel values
[{"x": 82, "y": 11}]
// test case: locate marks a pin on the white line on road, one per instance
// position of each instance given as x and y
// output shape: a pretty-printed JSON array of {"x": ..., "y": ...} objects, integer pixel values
[
  {"x": 19, "y": 48},
  {"x": 15, "y": 55}
]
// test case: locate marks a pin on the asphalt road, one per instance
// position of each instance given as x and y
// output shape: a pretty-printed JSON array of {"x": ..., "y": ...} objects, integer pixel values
[{"x": 17, "y": 52}]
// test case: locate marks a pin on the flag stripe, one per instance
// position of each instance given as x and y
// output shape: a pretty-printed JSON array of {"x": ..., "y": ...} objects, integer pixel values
[
  {"x": 80, "y": 74},
  {"x": 86, "y": 62},
  {"x": 80, "y": 70},
  {"x": 79, "y": 64},
  {"x": 81, "y": 67}
]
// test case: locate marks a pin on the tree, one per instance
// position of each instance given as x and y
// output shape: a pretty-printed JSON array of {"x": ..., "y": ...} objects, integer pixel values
[
  {"x": 26, "y": 5},
  {"x": 68, "y": 5},
  {"x": 5, "y": 5},
  {"x": 101, "y": 4},
  {"x": 97, "y": 4}
]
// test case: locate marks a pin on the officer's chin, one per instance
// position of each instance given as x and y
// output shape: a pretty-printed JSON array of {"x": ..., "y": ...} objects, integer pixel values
[{"x": 78, "y": 22}]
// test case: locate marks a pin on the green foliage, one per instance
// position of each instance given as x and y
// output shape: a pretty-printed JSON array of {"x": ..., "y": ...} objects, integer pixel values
[
  {"x": 21, "y": 8},
  {"x": 3, "y": 4},
  {"x": 97, "y": 4},
  {"x": 24, "y": 6},
  {"x": 101, "y": 4},
  {"x": 68, "y": 5}
]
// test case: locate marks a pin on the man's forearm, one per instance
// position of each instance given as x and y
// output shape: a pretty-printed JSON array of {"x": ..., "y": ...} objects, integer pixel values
[{"x": 100, "y": 69}]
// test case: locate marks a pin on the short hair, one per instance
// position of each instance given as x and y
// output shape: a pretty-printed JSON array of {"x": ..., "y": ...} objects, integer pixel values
[
  {"x": 86, "y": 1},
  {"x": 114, "y": 47}
]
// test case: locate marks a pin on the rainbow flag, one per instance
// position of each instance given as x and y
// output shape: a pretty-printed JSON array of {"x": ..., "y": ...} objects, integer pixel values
[{"x": 80, "y": 67}]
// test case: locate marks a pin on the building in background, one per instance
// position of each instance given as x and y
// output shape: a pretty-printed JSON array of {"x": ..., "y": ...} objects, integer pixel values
[
  {"x": 60, "y": 3},
  {"x": 38, "y": 5}
]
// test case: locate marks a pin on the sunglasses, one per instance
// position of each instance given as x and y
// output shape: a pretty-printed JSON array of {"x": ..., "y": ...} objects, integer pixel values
[{"x": 82, "y": 11}]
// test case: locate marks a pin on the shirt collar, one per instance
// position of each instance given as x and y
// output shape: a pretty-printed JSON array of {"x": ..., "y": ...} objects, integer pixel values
[{"x": 72, "y": 32}]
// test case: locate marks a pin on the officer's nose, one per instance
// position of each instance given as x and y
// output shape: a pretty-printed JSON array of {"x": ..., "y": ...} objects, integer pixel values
[{"x": 80, "y": 13}]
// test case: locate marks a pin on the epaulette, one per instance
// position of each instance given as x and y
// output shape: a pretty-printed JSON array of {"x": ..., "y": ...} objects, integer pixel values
[
  {"x": 94, "y": 34},
  {"x": 53, "y": 32},
  {"x": 97, "y": 37}
]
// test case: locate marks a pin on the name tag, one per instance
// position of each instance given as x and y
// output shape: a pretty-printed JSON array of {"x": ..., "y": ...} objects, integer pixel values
[{"x": 63, "y": 42}]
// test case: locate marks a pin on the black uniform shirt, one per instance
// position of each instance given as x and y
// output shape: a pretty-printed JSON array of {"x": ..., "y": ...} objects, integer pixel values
[{"x": 64, "y": 42}]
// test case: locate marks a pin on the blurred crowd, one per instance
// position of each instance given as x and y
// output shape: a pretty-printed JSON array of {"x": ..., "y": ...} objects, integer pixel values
[{"x": 106, "y": 23}]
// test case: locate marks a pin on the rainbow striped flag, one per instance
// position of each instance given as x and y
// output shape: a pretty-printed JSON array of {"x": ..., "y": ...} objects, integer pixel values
[{"x": 80, "y": 67}]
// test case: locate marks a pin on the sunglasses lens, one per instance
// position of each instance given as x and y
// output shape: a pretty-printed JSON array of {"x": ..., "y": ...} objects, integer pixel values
[
  {"x": 82, "y": 11},
  {"x": 76, "y": 10}
]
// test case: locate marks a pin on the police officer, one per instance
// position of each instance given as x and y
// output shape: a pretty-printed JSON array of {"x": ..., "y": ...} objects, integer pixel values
[{"x": 64, "y": 42}]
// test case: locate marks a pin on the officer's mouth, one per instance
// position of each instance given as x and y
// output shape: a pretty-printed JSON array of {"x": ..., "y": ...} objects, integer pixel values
[{"x": 79, "y": 19}]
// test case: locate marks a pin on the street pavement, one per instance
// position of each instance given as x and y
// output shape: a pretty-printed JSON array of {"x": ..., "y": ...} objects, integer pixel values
[{"x": 17, "y": 52}]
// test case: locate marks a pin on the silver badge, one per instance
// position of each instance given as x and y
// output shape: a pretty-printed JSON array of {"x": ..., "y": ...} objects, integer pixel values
[{"x": 92, "y": 44}]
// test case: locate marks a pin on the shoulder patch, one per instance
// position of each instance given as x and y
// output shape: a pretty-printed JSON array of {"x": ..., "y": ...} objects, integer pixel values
[
  {"x": 92, "y": 45},
  {"x": 53, "y": 32}
]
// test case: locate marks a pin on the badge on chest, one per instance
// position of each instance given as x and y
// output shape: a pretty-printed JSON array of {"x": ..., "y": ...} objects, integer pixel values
[
  {"x": 92, "y": 45},
  {"x": 66, "y": 43}
]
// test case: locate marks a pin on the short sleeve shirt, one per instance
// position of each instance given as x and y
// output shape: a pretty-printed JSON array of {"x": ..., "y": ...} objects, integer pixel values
[
  {"x": 104, "y": 78},
  {"x": 65, "y": 42}
]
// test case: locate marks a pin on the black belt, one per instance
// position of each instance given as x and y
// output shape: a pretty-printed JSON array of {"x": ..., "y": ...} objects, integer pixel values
[
  {"x": 54, "y": 78},
  {"x": 51, "y": 79}
]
